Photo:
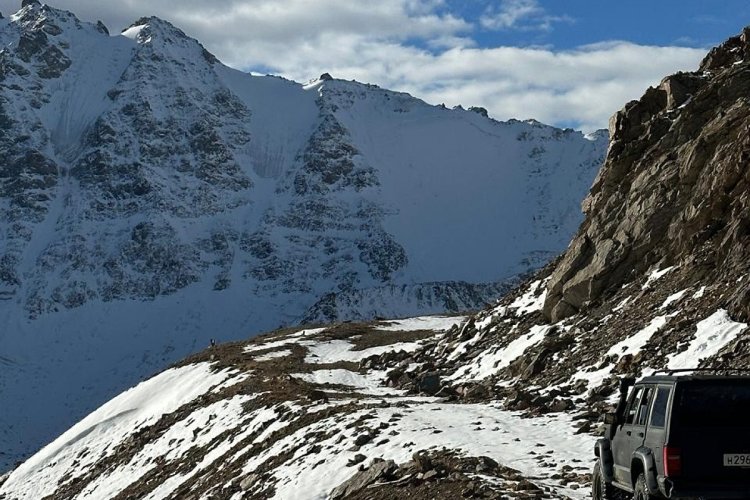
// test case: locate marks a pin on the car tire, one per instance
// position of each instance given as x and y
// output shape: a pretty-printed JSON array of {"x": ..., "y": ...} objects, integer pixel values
[
  {"x": 600, "y": 490},
  {"x": 641, "y": 489}
]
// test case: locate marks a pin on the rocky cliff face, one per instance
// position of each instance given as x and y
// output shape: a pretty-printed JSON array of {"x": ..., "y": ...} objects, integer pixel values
[
  {"x": 152, "y": 198},
  {"x": 674, "y": 190}
]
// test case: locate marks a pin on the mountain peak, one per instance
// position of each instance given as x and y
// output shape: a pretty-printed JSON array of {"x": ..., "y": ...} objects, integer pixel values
[
  {"x": 35, "y": 16},
  {"x": 735, "y": 50},
  {"x": 155, "y": 31},
  {"x": 143, "y": 29}
]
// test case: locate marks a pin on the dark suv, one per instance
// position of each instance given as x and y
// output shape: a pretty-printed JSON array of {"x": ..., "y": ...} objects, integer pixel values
[{"x": 677, "y": 436}]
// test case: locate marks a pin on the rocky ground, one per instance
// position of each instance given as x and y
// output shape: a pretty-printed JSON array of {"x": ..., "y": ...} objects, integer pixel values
[{"x": 308, "y": 414}]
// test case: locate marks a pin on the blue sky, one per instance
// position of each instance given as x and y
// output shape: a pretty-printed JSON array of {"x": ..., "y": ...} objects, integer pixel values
[
  {"x": 564, "y": 62},
  {"x": 572, "y": 23}
]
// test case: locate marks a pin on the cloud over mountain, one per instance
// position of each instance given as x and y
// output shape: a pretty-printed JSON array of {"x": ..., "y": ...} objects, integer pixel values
[{"x": 425, "y": 47}]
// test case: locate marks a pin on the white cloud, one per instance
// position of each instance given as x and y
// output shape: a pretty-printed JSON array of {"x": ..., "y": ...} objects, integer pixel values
[
  {"x": 581, "y": 87},
  {"x": 521, "y": 15},
  {"x": 417, "y": 46}
]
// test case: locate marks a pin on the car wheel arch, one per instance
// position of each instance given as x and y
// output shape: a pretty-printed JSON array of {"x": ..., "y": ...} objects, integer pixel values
[{"x": 643, "y": 462}]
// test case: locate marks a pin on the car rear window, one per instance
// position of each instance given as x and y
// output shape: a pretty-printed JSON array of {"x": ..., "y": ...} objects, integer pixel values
[
  {"x": 659, "y": 412},
  {"x": 714, "y": 403}
]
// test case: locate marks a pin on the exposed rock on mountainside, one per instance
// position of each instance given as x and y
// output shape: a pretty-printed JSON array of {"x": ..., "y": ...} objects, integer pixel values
[
  {"x": 152, "y": 198},
  {"x": 361, "y": 305},
  {"x": 674, "y": 190}
]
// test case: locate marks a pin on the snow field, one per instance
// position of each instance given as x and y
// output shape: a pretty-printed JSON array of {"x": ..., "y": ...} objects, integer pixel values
[
  {"x": 477, "y": 430},
  {"x": 531, "y": 301},
  {"x": 93, "y": 437},
  {"x": 341, "y": 350},
  {"x": 634, "y": 344},
  {"x": 399, "y": 427},
  {"x": 366, "y": 384},
  {"x": 434, "y": 323},
  {"x": 250, "y": 423},
  {"x": 197, "y": 430}
]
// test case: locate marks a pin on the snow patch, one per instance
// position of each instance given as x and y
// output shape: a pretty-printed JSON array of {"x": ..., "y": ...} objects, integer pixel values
[
  {"x": 133, "y": 31},
  {"x": 676, "y": 297},
  {"x": 476, "y": 430},
  {"x": 341, "y": 350},
  {"x": 634, "y": 344},
  {"x": 490, "y": 362},
  {"x": 362, "y": 383},
  {"x": 713, "y": 333},
  {"x": 273, "y": 355},
  {"x": 532, "y": 300},
  {"x": 197, "y": 430},
  {"x": 434, "y": 323},
  {"x": 622, "y": 304},
  {"x": 656, "y": 275}
]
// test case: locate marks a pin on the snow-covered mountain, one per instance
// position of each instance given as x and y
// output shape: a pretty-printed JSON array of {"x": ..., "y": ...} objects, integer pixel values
[
  {"x": 152, "y": 198},
  {"x": 500, "y": 404}
]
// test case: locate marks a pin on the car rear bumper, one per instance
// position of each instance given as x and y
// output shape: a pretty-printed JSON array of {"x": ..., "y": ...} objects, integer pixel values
[{"x": 683, "y": 490}]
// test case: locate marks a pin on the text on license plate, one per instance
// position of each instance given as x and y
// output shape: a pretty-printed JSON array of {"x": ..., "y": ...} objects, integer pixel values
[{"x": 737, "y": 459}]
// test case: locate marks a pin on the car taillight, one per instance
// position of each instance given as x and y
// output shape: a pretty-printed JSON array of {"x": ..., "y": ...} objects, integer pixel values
[{"x": 672, "y": 461}]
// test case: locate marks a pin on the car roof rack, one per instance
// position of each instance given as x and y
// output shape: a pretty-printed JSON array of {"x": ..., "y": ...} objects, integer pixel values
[{"x": 672, "y": 371}]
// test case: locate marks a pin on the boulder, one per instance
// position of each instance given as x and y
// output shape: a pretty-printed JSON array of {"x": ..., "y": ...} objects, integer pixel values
[
  {"x": 561, "y": 405},
  {"x": 362, "y": 439},
  {"x": 422, "y": 461},
  {"x": 249, "y": 482},
  {"x": 429, "y": 383},
  {"x": 378, "y": 469}
]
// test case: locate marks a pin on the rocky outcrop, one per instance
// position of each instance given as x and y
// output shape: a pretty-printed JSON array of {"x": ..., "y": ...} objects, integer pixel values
[
  {"x": 676, "y": 178},
  {"x": 359, "y": 481}
]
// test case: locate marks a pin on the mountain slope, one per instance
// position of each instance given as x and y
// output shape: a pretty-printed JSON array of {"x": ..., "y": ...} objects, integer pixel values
[
  {"x": 253, "y": 425},
  {"x": 522, "y": 383},
  {"x": 152, "y": 198}
]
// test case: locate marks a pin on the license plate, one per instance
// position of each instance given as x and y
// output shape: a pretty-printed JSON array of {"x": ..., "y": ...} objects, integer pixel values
[{"x": 737, "y": 459}]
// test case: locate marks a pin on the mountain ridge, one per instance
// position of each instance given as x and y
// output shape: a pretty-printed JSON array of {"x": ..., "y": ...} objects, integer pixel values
[{"x": 153, "y": 199}]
